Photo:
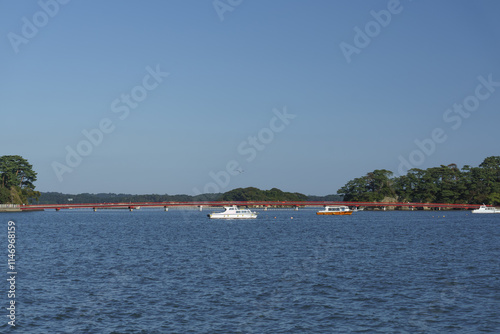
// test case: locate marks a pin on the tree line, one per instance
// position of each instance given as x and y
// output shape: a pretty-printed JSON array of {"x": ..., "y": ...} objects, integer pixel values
[
  {"x": 255, "y": 194},
  {"x": 443, "y": 184},
  {"x": 60, "y": 198},
  {"x": 16, "y": 180},
  {"x": 239, "y": 194}
]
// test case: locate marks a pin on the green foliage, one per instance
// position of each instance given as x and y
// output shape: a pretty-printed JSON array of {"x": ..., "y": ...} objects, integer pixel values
[
  {"x": 254, "y": 194},
  {"x": 275, "y": 194},
  {"x": 373, "y": 187},
  {"x": 443, "y": 184},
  {"x": 16, "y": 180},
  {"x": 59, "y": 198},
  {"x": 4, "y": 195},
  {"x": 16, "y": 196},
  {"x": 494, "y": 199}
]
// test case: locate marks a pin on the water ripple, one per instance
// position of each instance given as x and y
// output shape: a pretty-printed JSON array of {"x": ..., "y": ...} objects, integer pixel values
[{"x": 178, "y": 272}]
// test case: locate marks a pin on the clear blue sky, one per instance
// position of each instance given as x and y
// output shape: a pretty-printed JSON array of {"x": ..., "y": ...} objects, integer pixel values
[{"x": 70, "y": 66}]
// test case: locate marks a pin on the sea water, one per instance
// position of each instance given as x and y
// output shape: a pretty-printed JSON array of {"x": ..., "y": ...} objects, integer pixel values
[{"x": 149, "y": 271}]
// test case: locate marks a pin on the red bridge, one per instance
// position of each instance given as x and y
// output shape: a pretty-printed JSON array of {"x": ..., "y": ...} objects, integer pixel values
[{"x": 296, "y": 204}]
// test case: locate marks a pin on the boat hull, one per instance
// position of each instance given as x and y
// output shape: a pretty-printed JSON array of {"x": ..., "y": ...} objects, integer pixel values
[
  {"x": 216, "y": 216},
  {"x": 232, "y": 212},
  {"x": 486, "y": 210},
  {"x": 341, "y": 213}
]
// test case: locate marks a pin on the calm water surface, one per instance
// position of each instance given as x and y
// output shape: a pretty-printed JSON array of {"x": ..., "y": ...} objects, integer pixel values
[{"x": 149, "y": 271}]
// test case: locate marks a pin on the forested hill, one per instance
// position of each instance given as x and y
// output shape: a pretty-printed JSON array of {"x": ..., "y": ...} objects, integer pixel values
[
  {"x": 255, "y": 194},
  {"x": 240, "y": 194},
  {"x": 443, "y": 184},
  {"x": 60, "y": 198}
]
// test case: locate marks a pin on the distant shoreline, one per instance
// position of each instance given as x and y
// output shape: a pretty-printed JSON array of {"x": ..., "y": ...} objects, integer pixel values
[{"x": 243, "y": 194}]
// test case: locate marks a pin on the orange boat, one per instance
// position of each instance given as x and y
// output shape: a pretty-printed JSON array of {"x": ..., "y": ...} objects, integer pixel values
[{"x": 335, "y": 210}]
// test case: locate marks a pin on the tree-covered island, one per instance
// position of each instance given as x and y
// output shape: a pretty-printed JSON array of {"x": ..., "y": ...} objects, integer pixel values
[
  {"x": 238, "y": 194},
  {"x": 16, "y": 180},
  {"x": 443, "y": 184}
]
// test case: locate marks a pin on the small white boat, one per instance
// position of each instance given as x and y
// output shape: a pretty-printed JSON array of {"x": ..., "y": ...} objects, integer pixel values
[
  {"x": 232, "y": 212},
  {"x": 486, "y": 209},
  {"x": 335, "y": 210}
]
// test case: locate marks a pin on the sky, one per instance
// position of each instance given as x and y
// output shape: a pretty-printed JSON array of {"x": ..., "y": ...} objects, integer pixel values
[{"x": 189, "y": 97}]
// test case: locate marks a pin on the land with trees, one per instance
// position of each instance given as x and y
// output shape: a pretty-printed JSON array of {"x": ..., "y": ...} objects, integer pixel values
[
  {"x": 16, "y": 180},
  {"x": 255, "y": 194},
  {"x": 239, "y": 194},
  {"x": 443, "y": 184},
  {"x": 60, "y": 198}
]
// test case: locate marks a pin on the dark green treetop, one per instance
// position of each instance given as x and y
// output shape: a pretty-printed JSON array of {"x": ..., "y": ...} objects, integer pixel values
[
  {"x": 443, "y": 184},
  {"x": 17, "y": 179}
]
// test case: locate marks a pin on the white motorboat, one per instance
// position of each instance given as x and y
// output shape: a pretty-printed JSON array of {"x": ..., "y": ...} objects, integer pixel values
[
  {"x": 233, "y": 212},
  {"x": 486, "y": 209},
  {"x": 335, "y": 210}
]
